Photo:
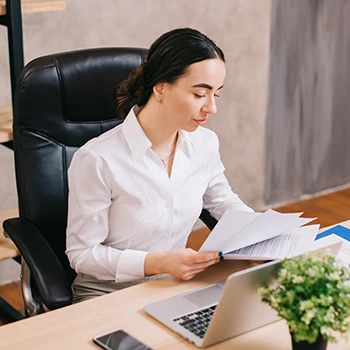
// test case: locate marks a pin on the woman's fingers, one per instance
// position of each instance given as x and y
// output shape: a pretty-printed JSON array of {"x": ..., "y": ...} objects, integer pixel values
[
  {"x": 189, "y": 271},
  {"x": 206, "y": 263},
  {"x": 192, "y": 256},
  {"x": 185, "y": 263}
]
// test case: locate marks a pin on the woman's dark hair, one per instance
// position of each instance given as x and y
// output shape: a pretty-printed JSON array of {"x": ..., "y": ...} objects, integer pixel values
[{"x": 168, "y": 59}]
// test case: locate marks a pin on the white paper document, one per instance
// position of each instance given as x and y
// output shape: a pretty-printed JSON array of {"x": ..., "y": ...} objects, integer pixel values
[
  {"x": 344, "y": 250},
  {"x": 264, "y": 236},
  {"x": 295, "y": 242}
]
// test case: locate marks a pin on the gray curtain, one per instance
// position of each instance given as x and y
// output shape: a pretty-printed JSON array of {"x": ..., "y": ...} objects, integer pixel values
[{"x": 308, "y": 121}]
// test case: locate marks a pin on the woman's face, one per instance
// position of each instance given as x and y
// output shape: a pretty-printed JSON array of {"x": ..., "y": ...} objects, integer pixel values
[{"x": 187, "y": 103}]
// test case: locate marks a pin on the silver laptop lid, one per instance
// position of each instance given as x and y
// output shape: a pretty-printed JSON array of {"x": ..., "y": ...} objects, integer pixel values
[{"x": 239, "y": 309}]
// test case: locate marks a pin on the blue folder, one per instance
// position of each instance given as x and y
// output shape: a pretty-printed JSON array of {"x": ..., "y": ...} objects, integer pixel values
[{"x": 338, "y": 230}]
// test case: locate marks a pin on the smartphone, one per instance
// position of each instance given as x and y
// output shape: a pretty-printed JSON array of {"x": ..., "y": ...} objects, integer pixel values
[{"x": 118, "y": 339}]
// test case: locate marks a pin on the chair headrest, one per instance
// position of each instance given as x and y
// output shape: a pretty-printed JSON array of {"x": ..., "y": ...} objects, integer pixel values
[{"x": 58, "y": 91}]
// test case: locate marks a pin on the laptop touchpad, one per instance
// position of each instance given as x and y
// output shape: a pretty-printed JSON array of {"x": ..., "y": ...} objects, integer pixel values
[{"x": 206, "y": 296}]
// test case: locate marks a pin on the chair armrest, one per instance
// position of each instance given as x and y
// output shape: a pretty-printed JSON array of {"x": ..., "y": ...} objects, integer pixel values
[
  {"x": 208, "y": 219},
  {"x": 48, "y": 274}
]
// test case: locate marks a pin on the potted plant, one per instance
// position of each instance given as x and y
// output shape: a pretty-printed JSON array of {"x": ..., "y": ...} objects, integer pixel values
[{"x": 312, "y": 293}]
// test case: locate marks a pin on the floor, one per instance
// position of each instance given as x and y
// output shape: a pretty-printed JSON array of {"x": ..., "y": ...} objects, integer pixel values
[{"x": 329, "y": 209}]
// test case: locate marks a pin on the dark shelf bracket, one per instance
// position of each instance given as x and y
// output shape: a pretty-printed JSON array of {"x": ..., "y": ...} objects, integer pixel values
[{"x": 13, "y": 21}]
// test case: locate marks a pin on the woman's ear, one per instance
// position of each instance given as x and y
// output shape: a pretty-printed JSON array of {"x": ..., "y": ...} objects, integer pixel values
[{"x": 158, "y": 91}]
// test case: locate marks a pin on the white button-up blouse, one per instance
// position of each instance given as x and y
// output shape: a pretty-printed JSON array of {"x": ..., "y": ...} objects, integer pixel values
[{"x": 122, "y": 203}]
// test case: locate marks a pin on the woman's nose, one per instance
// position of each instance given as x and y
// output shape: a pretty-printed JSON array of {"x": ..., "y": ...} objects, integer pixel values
[{"x": 210, "y": 106}]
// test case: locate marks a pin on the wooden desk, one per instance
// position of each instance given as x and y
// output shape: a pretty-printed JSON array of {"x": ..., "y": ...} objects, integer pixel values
[{"x": 74, "y": 326}]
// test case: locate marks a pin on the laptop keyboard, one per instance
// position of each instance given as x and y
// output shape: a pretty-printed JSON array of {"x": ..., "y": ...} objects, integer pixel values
[{"x": 196, "y": 322}]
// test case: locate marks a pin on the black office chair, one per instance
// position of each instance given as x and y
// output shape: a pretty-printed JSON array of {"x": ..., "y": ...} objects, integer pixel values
[{"x": 61, "y": 102}]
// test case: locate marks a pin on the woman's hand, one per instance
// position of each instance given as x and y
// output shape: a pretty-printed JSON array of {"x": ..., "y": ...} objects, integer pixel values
[{"x": 181, "y": 263}]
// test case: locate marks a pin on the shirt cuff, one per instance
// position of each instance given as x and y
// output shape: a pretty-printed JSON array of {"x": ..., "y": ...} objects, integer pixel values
[{"x": 131, "y": 266}]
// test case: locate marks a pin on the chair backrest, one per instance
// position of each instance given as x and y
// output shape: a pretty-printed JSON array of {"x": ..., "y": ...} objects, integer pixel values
[{"x": 61, "y": 102}]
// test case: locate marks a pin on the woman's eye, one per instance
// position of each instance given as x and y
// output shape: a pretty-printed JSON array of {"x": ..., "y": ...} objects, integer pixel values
[{"x": 201, "y": 96}]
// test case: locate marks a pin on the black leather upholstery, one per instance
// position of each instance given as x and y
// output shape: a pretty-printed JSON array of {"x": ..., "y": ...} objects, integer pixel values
[
  {"x": 209, "y": 221},
  {"x": 61, "y": 102},
  {"x": 50, "y": 279}
]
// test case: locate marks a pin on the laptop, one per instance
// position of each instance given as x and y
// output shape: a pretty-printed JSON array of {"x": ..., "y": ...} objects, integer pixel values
[{"x": 219, "y": 311}]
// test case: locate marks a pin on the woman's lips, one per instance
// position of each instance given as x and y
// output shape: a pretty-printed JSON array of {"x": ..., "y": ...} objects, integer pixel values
[{"x": 200, "y": 121}]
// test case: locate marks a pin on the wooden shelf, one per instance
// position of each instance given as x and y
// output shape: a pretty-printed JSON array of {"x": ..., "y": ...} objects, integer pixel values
[
  {"x": 6, "y": 133},
  {"x": 30, "y": 6},
  {"x": 7, "y": 248}
]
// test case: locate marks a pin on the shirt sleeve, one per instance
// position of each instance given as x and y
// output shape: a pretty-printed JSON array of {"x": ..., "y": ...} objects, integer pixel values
[
  {"x": 219, "y": 196},
  {"x": 89, "y": 201}
]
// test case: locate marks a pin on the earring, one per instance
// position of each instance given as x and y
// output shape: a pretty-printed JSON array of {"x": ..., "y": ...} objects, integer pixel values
[{"x": 159, "y": 100}]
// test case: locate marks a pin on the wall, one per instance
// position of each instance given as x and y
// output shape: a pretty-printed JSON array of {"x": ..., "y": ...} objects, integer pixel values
[
  {"x": 308, "y": 124},
  {"x": 240, "y": 27},
  {"x": 8, "y": 196}
]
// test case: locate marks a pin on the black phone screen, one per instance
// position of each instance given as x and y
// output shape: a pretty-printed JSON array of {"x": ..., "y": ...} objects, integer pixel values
[{"x": 119, "y": 340}]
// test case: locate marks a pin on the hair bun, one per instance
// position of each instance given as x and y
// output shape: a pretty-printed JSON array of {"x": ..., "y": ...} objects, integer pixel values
[{"x": 132, "y": 91}]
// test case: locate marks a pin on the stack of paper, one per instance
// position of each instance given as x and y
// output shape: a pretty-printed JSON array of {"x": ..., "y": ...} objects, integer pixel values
[{"x": 261, "y": 236}]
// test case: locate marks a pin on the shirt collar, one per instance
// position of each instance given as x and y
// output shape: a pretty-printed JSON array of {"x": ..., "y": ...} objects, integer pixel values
[
  {"x": 186, "y": 138},
  {"x": 135, "y": 136},
  {"x": 138, "y": 141}
]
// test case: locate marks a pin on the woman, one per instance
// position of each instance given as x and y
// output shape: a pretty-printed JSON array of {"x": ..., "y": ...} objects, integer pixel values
[{"x": 137, "y": 190}]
